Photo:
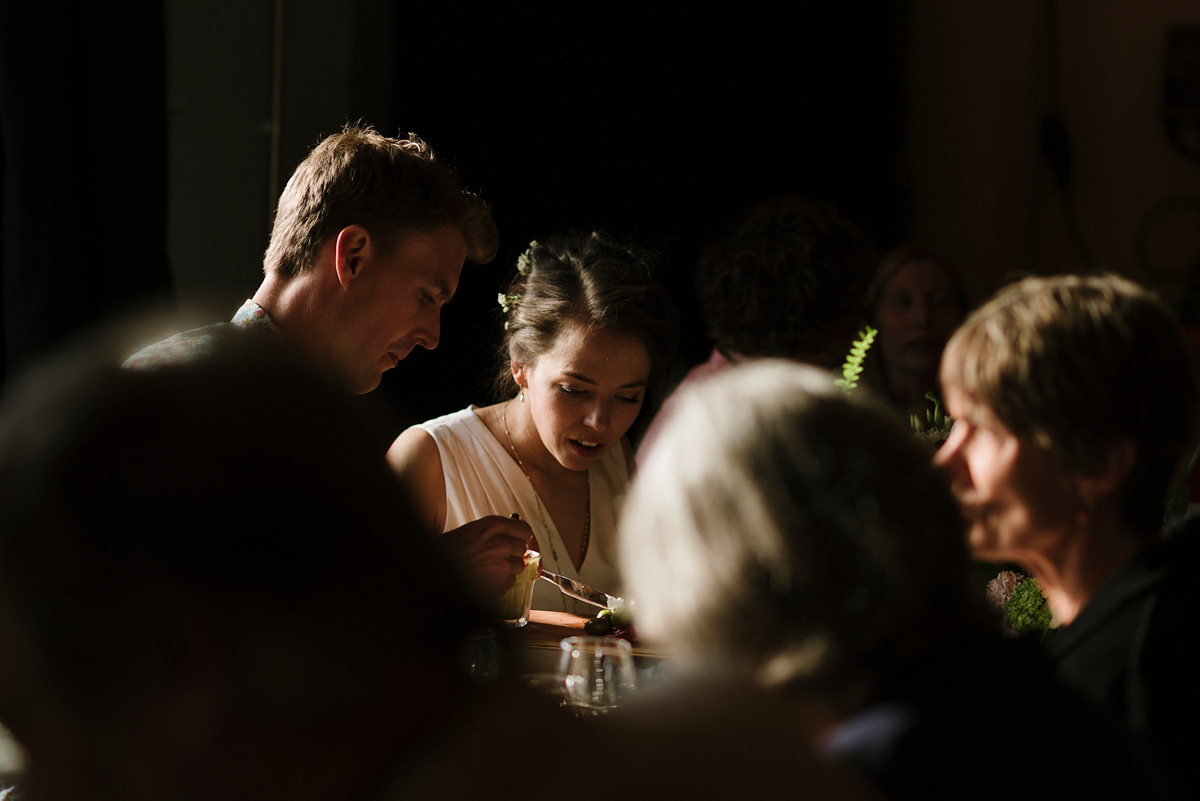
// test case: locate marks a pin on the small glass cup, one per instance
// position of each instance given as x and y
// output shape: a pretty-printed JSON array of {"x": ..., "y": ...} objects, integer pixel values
[
  {"x": 512, "y": 608},
  {"x": 478, "y": 657},
  {"x": 597, "y": 673},
  {"x": 547, "y": 683}
]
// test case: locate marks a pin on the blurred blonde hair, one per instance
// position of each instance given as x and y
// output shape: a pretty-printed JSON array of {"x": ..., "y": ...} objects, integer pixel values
[{"x": 793, "y": 533}]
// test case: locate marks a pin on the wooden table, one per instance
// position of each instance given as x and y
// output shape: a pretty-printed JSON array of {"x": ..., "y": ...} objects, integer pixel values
[{"x": 537, "y": 642}]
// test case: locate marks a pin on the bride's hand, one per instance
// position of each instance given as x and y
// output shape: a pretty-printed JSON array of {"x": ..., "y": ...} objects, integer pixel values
[{"x": 490, "y": 552}]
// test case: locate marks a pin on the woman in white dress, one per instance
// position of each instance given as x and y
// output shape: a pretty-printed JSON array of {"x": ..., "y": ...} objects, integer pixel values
[{"x": 586, "y": 330}]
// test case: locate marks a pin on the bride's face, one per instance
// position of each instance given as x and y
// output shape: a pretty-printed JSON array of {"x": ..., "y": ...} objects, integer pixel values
[{"x": 585, "y": 392}]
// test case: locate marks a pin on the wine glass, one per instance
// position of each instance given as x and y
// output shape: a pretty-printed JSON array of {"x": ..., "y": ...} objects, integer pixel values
[{"x": 597, "y": 673}]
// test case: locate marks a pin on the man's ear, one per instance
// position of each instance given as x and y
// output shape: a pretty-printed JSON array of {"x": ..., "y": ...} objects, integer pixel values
[{"x": 351, "y": 250}]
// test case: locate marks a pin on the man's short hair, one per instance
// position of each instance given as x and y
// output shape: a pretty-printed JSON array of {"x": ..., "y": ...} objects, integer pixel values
[
  {"x": 1074, "y": 364},
  {"x": 388, "y": 186}
]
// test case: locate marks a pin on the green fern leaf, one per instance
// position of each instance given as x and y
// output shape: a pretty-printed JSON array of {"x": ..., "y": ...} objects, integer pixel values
[{"x": 853, "y": 366}]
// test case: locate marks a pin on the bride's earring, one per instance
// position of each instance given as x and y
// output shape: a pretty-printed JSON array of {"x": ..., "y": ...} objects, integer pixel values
[{"x": 521, "y": 396}]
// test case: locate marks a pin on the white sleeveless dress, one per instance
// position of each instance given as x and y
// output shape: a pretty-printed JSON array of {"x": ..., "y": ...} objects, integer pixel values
[{"x": 483, "y": 479}]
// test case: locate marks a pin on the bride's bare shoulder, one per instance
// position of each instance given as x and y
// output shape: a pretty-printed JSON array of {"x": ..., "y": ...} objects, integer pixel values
[
  {"x": 415, "y": 459},
  {"x": 413, "y": 450}
]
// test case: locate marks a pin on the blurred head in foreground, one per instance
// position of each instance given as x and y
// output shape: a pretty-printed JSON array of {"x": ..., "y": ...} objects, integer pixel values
[
  {"x": 203, "y": 562},
  {"x": 792, "y": 535}
]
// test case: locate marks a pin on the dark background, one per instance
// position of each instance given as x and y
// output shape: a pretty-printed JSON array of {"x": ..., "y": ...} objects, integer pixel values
[
  {"x": 143, "y": 143},
  {"x": 653, "y": 123}
]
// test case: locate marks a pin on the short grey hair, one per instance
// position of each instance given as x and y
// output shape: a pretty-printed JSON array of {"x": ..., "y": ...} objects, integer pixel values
[{"x": 793, "y": 533}]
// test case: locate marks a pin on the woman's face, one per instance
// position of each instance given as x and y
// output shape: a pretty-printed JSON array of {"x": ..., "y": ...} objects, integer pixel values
[
  {"x": 1015, "y": 498},
  {"x": 917, "y": 313},
  {"x": 585, "y": 392}
]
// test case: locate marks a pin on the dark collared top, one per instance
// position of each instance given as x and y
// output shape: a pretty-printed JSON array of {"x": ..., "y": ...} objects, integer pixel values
[
  {"x": 1134, "y": 649},
  {"x": 201, "y": 341}
]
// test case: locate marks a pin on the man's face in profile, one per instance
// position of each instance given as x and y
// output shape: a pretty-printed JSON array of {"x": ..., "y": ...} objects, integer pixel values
[{"x": 395, "y": 304}]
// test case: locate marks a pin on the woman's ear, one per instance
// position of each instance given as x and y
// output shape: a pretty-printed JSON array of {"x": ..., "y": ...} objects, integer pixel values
[
  {"x": 1109, "y": 474},
  {"x": 519, "y": 371}
]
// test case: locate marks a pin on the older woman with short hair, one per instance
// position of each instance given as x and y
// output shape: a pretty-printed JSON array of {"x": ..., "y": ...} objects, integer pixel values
[
  {"x": 1075, "y": 403},
  {"x": 784, "y": 537}
]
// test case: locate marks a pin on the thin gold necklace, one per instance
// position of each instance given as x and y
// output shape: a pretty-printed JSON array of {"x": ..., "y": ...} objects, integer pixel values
[{"x": 587, "y": 508}]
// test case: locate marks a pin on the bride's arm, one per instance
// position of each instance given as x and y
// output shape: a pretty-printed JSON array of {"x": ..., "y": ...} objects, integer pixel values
[
  {"x": 415, "y": 459},
  {"x": 488, "y": 551}
]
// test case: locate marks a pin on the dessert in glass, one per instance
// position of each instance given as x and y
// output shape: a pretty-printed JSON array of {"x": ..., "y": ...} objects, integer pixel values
[{"x": 512, "y": 608}]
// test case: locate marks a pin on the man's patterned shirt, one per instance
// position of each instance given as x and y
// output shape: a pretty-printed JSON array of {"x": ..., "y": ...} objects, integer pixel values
[{"x": 199, "y": 342}]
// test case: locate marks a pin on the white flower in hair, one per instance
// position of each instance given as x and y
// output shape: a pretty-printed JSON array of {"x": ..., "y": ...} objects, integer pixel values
[
  {"x": 525, "y": 260},
  {"x": 508, "y": 303}
]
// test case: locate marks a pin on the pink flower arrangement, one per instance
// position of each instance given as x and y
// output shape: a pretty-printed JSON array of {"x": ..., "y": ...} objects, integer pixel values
[{"x": 1000, "y": 589}]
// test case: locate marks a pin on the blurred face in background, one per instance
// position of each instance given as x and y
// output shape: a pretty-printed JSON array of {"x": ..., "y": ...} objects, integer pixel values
[{"x": 917, "y": 313}]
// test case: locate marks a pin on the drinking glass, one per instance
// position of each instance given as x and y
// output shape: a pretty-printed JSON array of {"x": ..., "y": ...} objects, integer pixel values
[
  {"x": 478, "y": 657},
  {"x": 547, "y": 683},
  {"x": 512, "y": 608},
  {"x": 597, "y": 673}
]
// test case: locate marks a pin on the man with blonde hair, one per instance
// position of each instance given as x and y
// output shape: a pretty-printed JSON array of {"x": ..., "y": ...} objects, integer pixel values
[
  {"x": 369, "y": 239},
  {"x": 370, "y": 236}
]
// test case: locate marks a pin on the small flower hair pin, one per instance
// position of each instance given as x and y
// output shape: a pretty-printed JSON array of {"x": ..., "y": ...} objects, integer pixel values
[
  {"x": 525, "y": 260},
  {"x": 508, "y": 302}
]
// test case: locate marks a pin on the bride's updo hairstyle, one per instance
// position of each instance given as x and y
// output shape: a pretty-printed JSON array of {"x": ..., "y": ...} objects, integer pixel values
[{"x": 590, "y": 279}]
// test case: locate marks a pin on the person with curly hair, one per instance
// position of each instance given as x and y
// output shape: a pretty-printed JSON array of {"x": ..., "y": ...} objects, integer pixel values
[
  {"x": 586, "y": 331},
  {"x": 786, "y": 280}
]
